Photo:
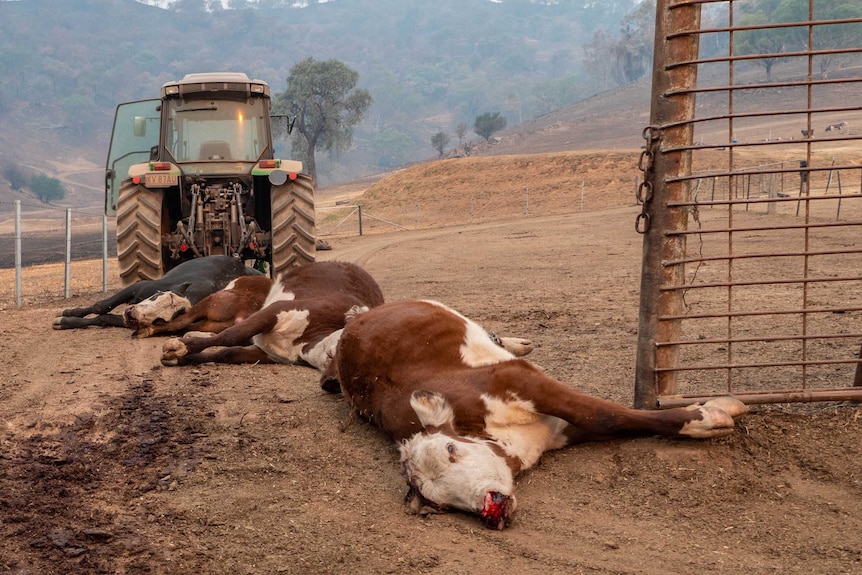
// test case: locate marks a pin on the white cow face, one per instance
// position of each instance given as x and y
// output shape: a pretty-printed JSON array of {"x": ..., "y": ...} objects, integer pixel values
[
  {"x": 444, "y": 470},
  {"x": 160, "y": 307}
]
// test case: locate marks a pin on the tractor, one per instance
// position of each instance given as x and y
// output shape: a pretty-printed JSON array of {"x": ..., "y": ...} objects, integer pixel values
[{"x": 193, "y": 174}]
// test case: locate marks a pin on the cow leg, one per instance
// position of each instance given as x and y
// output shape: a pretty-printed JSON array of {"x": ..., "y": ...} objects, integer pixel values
[
  {"x": 237, "y": 335},
  {"x": 517, "y": 346},
  {"x": 592, "y": 419},
  {"x": 220, "y": 315},
  {"x": 130, "y": 294},
  {"x": 177, "y": 324},
  {"x": 214, "y": 314},
  {"x": 104, "y": 320},
  {"x": 230, "y": 355},
  {"x": 180, "y": 323}
]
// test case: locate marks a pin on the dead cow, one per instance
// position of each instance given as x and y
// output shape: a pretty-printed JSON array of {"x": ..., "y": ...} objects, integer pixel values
[
  {"x": 169, "y": 296},
  {"x": 213, "y": 314},
  {"x": 300, "y": 321},
  {"x": 469, "y": 416}
]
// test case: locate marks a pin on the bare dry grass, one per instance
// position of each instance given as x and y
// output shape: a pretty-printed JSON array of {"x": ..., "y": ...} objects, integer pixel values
[{"x": 47, "y": 281}]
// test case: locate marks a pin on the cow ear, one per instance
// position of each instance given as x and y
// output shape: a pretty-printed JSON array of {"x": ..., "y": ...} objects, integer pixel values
[
  {"x": 182, "y": 288},
  {"x": 432, "y": 409}
]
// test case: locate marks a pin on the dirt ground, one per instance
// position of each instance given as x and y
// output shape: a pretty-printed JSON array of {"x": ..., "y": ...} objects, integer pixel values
[{"x": 111, "y": 463}]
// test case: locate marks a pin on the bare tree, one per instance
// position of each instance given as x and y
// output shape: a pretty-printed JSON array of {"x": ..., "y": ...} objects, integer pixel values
[{"x": 461, "y": 132}]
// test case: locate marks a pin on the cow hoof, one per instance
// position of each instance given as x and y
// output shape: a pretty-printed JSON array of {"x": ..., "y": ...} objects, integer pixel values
[
  {"x": 716, "y": 418},
  {"x": 172, "y": 351},
  {"x": 142, "y": 332},
  {"x": 198, "y": 334},
  {"x": 58, "y": 323},
  {"x": 730, "y": 405},
  {"x": 517, "y": 346}
]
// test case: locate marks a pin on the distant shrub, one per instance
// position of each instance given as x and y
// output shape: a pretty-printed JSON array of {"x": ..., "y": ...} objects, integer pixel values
[
  {"x": 47, "y": 188},
  {"x": 488, "y": 124}
]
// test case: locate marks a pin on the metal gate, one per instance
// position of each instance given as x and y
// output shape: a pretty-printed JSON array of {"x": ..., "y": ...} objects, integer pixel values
[{"x": 752, "y": 205}]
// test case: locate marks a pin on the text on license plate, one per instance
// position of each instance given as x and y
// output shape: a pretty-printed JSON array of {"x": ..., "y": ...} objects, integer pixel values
[{"x": 160, "y": 180}]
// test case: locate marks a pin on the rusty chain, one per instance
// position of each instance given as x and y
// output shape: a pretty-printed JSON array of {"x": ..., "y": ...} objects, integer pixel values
[{"x": 645, "y": 189}]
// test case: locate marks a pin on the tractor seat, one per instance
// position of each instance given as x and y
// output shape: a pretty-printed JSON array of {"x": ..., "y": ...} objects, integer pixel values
[{"x": 214, "y": 150}]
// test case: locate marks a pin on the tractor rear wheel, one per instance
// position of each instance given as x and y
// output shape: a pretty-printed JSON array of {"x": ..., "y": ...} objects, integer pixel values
[
  {"x": 292, "y": 224},
  {"x": 139, "y": 233}
]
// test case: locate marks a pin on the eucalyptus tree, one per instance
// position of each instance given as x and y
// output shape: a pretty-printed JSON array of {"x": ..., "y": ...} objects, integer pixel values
[{"x": 323, "y": 98}]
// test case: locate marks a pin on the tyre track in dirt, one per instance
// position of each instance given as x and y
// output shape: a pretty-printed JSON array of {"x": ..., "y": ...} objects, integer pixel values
[{"x": 367, "y": 249}]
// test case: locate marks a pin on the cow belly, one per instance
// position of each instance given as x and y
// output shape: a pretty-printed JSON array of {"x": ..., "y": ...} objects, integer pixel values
[
  {"x": 320, "y": 354},
  {"x": 282, "y": 342}
]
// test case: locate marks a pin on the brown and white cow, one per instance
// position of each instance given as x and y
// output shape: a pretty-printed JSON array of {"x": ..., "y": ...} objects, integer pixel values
[
  {"x": 213, "y": 314},
  {"x": 300, "y": 321},
  {"x": 469, "y": 416}
]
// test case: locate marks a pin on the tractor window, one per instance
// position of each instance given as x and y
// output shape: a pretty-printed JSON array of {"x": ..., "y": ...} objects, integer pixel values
[{"x": 216, "y": 130}]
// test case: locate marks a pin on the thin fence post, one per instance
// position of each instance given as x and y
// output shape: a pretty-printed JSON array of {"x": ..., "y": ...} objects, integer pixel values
[
  {"x": 582, "y": 194},
  {"x": 747, "y": 184},
  {"x": 104, "y": 253},
  {"x": 781, "y": 188},
  {"x": 771, "y": 193},
  {"x": 359, "y": 206},
  {"x": 840, "y": 193},
  {"x": 67, "y": 288},
  {"x": 829, "y": 179},
  {"x": 18, "y": 295}
]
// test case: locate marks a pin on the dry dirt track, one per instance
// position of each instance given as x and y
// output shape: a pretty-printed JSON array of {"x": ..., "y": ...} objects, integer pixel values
[{"x": 110, "y": 463}]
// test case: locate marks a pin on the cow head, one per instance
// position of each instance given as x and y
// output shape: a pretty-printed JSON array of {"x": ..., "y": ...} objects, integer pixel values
[
  {"x": 447, "y": 471},
  {"x": 159, "y": 308}
]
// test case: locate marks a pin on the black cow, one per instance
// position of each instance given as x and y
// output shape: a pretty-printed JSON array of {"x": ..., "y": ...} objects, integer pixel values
[{"x": 176, "y": 291}]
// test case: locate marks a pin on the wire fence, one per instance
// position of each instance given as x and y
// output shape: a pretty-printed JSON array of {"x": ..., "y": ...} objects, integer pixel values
[
  {"x": 50, "y": 251},
  {"x": 775, "y": 180},
  {"x": 46, "y": 237},
  {"x": 340, "y": 220}
]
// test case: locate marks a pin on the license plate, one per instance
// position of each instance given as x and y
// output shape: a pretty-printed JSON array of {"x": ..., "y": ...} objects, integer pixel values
[{"x": 160, "y": 180}]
